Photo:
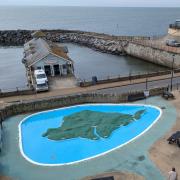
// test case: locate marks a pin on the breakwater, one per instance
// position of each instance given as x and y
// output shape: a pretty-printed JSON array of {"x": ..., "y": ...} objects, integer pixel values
[
  {"x": 119, "y": 45},
  {"x": 14, "y": 37},
  {"x": 101, "y": 42}
]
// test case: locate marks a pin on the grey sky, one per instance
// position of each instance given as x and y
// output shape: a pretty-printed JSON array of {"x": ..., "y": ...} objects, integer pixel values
[{"x": 126, "y": 3}]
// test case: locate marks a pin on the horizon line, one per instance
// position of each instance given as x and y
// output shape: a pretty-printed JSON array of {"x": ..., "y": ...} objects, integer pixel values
[{"x": 15, "y": 5}]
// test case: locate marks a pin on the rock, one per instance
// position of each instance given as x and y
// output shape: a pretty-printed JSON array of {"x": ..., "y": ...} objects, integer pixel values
[{"x": 98, "y": 42}]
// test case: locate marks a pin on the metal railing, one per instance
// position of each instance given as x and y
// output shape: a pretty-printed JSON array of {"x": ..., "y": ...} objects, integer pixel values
[{"x": 129, "y": 76}]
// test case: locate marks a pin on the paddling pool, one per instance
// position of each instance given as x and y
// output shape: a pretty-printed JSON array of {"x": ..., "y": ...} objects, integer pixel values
[{"x": 40, "y": 150}]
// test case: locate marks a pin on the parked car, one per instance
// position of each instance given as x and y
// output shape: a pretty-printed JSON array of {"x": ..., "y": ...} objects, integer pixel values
[
  {"x": 172, "y": 43},
  {"x": 41, "y": 86},
  {"x": 41, "y": 80}
]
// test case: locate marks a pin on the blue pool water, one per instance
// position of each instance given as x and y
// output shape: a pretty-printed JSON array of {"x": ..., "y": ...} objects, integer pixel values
[{"x": 42, "y": 151}]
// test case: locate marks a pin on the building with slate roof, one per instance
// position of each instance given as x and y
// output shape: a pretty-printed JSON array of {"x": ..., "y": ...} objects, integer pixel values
[{"x": 42, "y": 54}]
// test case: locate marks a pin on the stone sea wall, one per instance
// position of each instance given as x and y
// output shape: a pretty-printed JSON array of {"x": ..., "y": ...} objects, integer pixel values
[
  {"x": 57, "y": 102},
  {"x": 17, "y": 93},
  {"x": 153, "y": 55},
  {"x": 101, "y": 42}
]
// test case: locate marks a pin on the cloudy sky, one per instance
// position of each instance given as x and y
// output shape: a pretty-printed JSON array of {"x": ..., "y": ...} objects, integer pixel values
[{"x": 123, "y": 3}]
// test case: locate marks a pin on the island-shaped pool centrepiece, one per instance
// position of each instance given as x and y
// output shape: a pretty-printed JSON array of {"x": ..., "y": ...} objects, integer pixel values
[
  {"x": 91, "y": 125},
  {"x": 77, "y": 133}
]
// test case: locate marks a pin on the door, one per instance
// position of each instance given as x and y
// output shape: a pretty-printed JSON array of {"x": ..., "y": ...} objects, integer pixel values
[
  {"x": 47, "y": 69},
  {"x": 56, "y": 69},
  {"x": 64, "y": 69}
]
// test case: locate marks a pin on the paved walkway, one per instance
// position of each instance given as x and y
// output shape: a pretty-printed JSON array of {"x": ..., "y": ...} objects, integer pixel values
[
  {"x": 132, "y": 158},
  {"x": 57, "y": 83},
  {"x": 164, "y": 155}
]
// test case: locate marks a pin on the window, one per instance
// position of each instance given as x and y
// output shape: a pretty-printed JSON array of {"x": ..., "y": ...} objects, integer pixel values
[{"x": 40, "y": 76}]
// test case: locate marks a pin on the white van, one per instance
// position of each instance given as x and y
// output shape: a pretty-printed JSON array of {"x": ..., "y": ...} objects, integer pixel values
[{"x": 41, "y": 80}]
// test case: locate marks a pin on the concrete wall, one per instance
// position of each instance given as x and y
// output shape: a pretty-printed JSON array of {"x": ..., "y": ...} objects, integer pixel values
[
  {"x": 57, "y": 102},
  {"x": 153, "y": 55},
  {"x": 17, "y": 93}
]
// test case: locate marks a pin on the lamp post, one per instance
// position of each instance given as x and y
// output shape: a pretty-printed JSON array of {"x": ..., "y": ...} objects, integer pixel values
[
  {"x": 172, "y": 71},
  {"x": 146, "y": 82}
]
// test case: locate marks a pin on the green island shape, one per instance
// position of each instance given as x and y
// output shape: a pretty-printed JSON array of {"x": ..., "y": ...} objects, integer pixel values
[{"x": 91, "y": 125}]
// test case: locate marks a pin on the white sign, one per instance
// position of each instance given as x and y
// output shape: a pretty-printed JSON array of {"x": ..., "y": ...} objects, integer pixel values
[{"x": 146, "y": 93}]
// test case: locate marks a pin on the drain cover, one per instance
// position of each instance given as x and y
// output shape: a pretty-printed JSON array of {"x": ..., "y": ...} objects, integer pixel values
[{"x": 141, "y": 158}]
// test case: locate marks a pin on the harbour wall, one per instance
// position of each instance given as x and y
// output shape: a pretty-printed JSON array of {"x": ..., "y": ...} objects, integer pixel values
[
  {"x": 153, "y": 55},
  {"x": 17, "y": 92},
  {"x": 57, "y": 102},
  {"x": 118, "y": 45}
]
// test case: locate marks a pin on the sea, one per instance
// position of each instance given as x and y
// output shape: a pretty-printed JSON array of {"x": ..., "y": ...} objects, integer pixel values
[{"x": 109, "y": 20}]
